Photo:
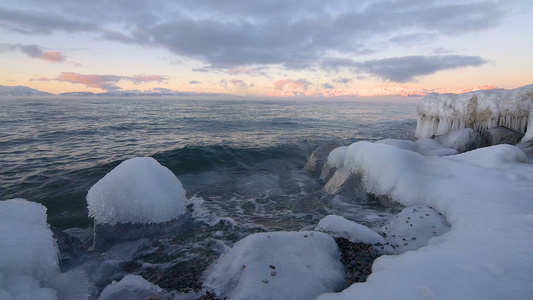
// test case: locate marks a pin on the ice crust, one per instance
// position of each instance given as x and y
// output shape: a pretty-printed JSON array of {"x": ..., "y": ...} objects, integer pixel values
[
  {"x": 480, "y": 110},
  {"x": 485, "y": 195},
  {"x": 29, "y": 267},
  {"x": 338, "y": 226},
  {"x": 278, "y": 265},
  {"x": 139, "y": 190}
]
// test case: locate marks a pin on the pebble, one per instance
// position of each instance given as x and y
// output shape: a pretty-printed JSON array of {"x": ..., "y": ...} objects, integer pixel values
[
  {"x": 272, "y": 267},
  {"x": 273, "y": 273},
  {"x": 357, "y": 259},
  {"x": 265, "y": 281}
]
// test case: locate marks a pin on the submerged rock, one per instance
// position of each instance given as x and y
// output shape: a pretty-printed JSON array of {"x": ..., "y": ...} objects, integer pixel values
[
  {"x": 106, "y": 235},
  {"x": 319, "y": 157}
]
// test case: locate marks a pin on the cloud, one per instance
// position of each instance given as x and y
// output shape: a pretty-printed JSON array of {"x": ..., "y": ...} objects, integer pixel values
[
  {"x": 404, "y": 69},
  {"x": 328, "y": 86},
  {"x": 41, "y": 79},
  {"x": 146, "y": 78},
  {"x": 31, "y": 22},
  {"x": 258, "y": 71},
  {"x": 291, "y": 84},
  {"x": 105, "y": 82},
  {"x": 34, "y": 51},
  {"x": 343, "y": 80},
  {"x": 239, "y": 84},
  {"x": 194, "y": 82},
  {"x": 244, "y": 37}
]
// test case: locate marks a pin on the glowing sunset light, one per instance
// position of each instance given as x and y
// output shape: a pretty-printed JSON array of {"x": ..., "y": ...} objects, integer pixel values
[{"x": 267, "y": 48}]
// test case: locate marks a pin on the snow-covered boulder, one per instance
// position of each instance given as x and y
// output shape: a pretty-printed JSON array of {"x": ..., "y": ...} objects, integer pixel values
[
  {"x": 318, "y": 158},
  {"x": 131, "y": 287},
  {"x": 278, "y": 265},
  {"x": 462, "y": 140},
  {"x": 139, "y": 190},
  {"x": 334, "y": 161},
  {"x": 501, "y": 135},
  {"x": 426, "y": 147},
  {"x": 338, "y": 226},
  {"x": 485, "y": 197},
  {"x": 413, "y": 227},
  {"x": 480, "y": 110},
  {"x": 29, "y": 267}
]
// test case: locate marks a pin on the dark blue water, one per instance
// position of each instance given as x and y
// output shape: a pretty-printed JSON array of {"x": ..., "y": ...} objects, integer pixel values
[{"x": 241, "y": 162}]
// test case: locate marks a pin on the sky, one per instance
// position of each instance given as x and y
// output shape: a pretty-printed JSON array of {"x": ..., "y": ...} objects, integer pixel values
[{"x": 266, "y": 48}]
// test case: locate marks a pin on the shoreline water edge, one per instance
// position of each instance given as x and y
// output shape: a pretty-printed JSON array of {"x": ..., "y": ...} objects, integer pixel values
[{"x": 454, "y": 220}]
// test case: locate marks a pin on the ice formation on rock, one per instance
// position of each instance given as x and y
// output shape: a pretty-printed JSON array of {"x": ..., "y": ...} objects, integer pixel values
[
  {"x": 29, "y": 267},
  {"x": 338, "y": 226},
  {"x": 484, "y": 195},
  {"x": 139, "y": 190},
  {"x": 131, "y": 287},
  {"x": 462, "y": 140},
  {"x": 278, "y": 265},
  {"x": 480, "y": 110}
]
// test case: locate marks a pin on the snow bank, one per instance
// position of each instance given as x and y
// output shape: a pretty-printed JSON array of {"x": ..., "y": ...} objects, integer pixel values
[
  {"x": 29, "y": 267},
  {"x": 480, "y": 110},
  {"x": 139, "y": 190},
  {"x": 338, "y": 226},
  {"x": 486, "y": 197},
  {"x": 278, "y": 265}
]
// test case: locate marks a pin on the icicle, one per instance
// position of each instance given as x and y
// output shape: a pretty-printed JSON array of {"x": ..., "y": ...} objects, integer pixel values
[{"x": 480, "y": 110}]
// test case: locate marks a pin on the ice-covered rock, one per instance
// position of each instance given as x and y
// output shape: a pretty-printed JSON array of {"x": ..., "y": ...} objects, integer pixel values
[
  {"x": 29, "y": 267},
  {"x": 278, "y": 265},
  {"x": 413, "y": 227},
  {"x": 338, "y": 226},
  {"x": 318, "y": 158},
  {"x": 501, "y": 135},
  {"x": 480, "y": 110},
  {"x": 139, "y": 190},
  {"x": 462, "y": 140},
  {"x": 484, "y": 195},
  {"x": 334, "y": 161},
  {"x": 131, "y": 287}
]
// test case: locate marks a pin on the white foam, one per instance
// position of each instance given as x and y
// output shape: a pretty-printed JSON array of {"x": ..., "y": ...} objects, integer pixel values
[{"x": 139, "y": 190}]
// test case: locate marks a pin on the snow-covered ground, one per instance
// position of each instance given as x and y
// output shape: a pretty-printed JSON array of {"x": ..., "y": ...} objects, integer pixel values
[{"x": 486, "y": 197}]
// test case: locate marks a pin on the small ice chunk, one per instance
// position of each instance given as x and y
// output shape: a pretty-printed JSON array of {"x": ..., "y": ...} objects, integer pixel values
[
  {"x": 131, "y": 287},
  {"x": 336, "y": 157},
  {"x": 306, "y": 264},
  {"x": 139, "y": 190},
  {"x": 338, "y": 226}
]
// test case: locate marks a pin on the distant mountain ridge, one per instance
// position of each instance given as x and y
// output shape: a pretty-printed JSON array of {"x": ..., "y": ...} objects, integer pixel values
[{"x": 21, "y": 90}]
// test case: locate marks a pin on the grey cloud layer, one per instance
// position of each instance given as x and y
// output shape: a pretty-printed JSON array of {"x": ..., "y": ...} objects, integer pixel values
[{"x": 226, "y": 34}]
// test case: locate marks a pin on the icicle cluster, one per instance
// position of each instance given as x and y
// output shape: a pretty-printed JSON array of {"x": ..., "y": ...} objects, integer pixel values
[{"x": 480, "y": 110}]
